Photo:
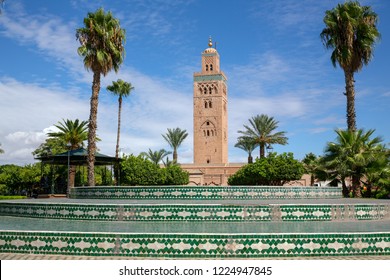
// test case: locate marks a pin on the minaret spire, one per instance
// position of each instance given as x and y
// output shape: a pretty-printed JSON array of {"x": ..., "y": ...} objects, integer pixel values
[{"x": 210, "y": 42}]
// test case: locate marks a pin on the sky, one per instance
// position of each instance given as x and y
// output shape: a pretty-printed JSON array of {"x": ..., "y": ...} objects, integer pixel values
[{"x": 270, "y": 51}]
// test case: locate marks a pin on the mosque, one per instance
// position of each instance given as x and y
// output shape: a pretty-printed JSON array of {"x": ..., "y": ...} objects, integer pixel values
[
  {"x": 210, "y": 119},
  {"x": 211, "y": 166}
]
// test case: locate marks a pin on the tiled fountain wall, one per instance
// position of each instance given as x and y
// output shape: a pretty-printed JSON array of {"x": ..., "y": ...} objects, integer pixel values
[{"x": 205, "y": 192}]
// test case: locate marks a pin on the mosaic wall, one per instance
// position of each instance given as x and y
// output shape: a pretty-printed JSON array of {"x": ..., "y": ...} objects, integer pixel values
[
  {"x": 183, "y": 212},
  {"x": 196, "y": 192},
  {"x": 196, "y": 246}
]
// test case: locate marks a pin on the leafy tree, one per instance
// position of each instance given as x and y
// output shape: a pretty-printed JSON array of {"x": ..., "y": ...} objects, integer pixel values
[
  {"x": 351, "y": 32},
  {"x": 274, "y": 170},
  {"x": 155, "y": 156},
  {"x": 248, "y": 145},
  {"x": 139, "y": 171},
  {"x": 102, "y": 47},
  {"x": 261, "y": 130},
  {"x": 175, "y": 138},
  {"x": 175, "y": 175},
  {"x": 121, "y": 89},
  {"x": 352, "y": 154}
]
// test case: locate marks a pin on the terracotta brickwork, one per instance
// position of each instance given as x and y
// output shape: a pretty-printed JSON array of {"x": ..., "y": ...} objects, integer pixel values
[{"x": 210, "y": 111}]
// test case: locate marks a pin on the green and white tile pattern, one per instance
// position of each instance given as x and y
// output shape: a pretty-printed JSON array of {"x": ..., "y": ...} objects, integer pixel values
[
  {"x": 196, "y": 246},
  {"x": 205, "y": 192},
  {"x": 195, "y": 213}
]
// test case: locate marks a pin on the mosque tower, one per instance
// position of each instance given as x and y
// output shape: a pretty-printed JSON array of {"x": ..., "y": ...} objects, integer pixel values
[{"x": 210, "y": 111}]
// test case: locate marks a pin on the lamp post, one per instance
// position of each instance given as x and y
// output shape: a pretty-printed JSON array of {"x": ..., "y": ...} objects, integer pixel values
[
  {"x": 68, "y": 145},
  {"x": 269, "y": 149}
]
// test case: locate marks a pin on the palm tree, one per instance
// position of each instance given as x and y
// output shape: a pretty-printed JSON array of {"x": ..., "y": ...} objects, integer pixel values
[
  {"x": 121, "y": 89},
  {"x": 175, "y": 137},
  {"x": 311, "y": 163},
  {"x": 351, "y": 32},
  {"x": 261, "y": 131},
  {"x": 1, "y": 150},
  {"x": 248, "y": 145},
  {"x": 155, "y": 156},
  {"x": 102, "y": 47},
  {"x": 352, "y": 154},
  {"x": 74, "y": 133}
]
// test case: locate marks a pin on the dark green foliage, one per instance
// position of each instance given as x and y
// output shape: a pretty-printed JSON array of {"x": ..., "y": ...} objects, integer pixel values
[
  {"x": 138, "y": 171},
  {"x": 274, "y": 170}
]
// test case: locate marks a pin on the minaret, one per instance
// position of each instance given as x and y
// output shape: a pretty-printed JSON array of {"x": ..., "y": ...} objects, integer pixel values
[{"x": 210, "y": 111}]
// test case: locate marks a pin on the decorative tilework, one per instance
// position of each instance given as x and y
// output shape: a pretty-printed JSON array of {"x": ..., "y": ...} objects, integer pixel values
[
  {"x": 195, "y": 213},
  {"x": 196, "y": 246},
  {"x": 206, "y": 192}
]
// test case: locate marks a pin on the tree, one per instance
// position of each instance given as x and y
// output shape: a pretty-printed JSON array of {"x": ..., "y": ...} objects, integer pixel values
[
  {"x": 155, "y": 156},
  {"x": 261, "y": 131},
  {"x": 102, "y": 47},
  {"x": 248, "y": 145},
  {"x": 1, "y": 150},
  {"x": 73, "y": 133},
  {"x": 121, "y": 89},
  {"x": 175, "y": 137},
  {"x": 273, "y": 170},
  {"x": 311, "y": 165},
  {"x": 351, "y": 32},
  {"x": 352, "y": 154}
]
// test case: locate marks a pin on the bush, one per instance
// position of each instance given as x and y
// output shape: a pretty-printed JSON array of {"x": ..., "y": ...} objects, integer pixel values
[
  {"x": 138, "y": 171},
  {"x": 3, "y": 197},
  {"x": 274, "y": 170}
]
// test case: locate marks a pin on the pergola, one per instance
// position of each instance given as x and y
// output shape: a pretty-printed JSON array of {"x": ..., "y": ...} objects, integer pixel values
[{"x": 77, "y": 158}]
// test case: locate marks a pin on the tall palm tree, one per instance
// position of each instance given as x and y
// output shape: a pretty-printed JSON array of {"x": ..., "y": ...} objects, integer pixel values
[
  {"x": 72, "y": 132},
  {"x": 175, "y": 137},
  {"x": 102, "y": 47},
  {"x": 248, "y": 145},
  {"x": 351, "y": 32},
  {"x": 155, "y": 156},
  {"x": 121, "y": 89},
  {"x": 261, "y": 130},
  {"x": 1, "y": 150},
  {"x": 353, "y": 153}
]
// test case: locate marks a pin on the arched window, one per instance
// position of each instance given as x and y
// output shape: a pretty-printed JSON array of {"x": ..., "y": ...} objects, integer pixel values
[
  {"x": 210, "y": 90},
  {"x": 211, "y": 67},
  {"x": 204, "y": 132},
  {"x": 205, "y": 90},
  {"x": 212, "y": 132},
  {"x": 206, "y": 104},
  {"x": 207, "y": 67},
  {"x": 208, "y": 132},
  {"x": 207, "y": 123},
  {"x": 210, "y": 104}
]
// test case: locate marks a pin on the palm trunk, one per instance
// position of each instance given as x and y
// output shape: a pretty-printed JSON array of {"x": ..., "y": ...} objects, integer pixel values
[
  {"x": 72, "y": 176},
  {"x": 116, "y": 167},
  {"x": 262, "y": 150},
  {"x": 356, "y": 186},
  {"x": 92, "y": 126},
  {"x": 350, "y": 93},
  {"x": 174, "y": 155},
  {"x": 345, "y": 190}
]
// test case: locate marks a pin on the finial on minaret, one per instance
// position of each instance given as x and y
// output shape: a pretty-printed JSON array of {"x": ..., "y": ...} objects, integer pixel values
[{"x": 210, "y": 42}]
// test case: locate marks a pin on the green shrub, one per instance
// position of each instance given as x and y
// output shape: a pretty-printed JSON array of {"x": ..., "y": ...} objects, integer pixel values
[{"x": 274, "y": 170}]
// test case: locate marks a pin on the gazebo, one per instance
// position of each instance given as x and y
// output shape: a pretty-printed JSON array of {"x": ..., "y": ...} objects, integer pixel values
[{"x": 75, "y": 158}]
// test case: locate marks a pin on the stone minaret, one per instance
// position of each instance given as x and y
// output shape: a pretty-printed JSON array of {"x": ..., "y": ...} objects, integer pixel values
[{"x": 210, "y": 111}]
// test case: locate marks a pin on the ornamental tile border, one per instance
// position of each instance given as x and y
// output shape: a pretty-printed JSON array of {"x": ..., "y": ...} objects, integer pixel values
[
  {"x": 196, "y": 245},
  {"x": 205, "y": 192},
  {"x": 196, "y": 213}
]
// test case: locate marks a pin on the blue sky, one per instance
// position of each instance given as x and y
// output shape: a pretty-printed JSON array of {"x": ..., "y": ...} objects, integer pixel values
[{"x": 270, "y": 51}]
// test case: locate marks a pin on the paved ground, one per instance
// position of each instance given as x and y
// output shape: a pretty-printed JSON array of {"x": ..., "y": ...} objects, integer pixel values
[
  {"x": 309, "y": 201},
  {"x": 13, "y": 256}
]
